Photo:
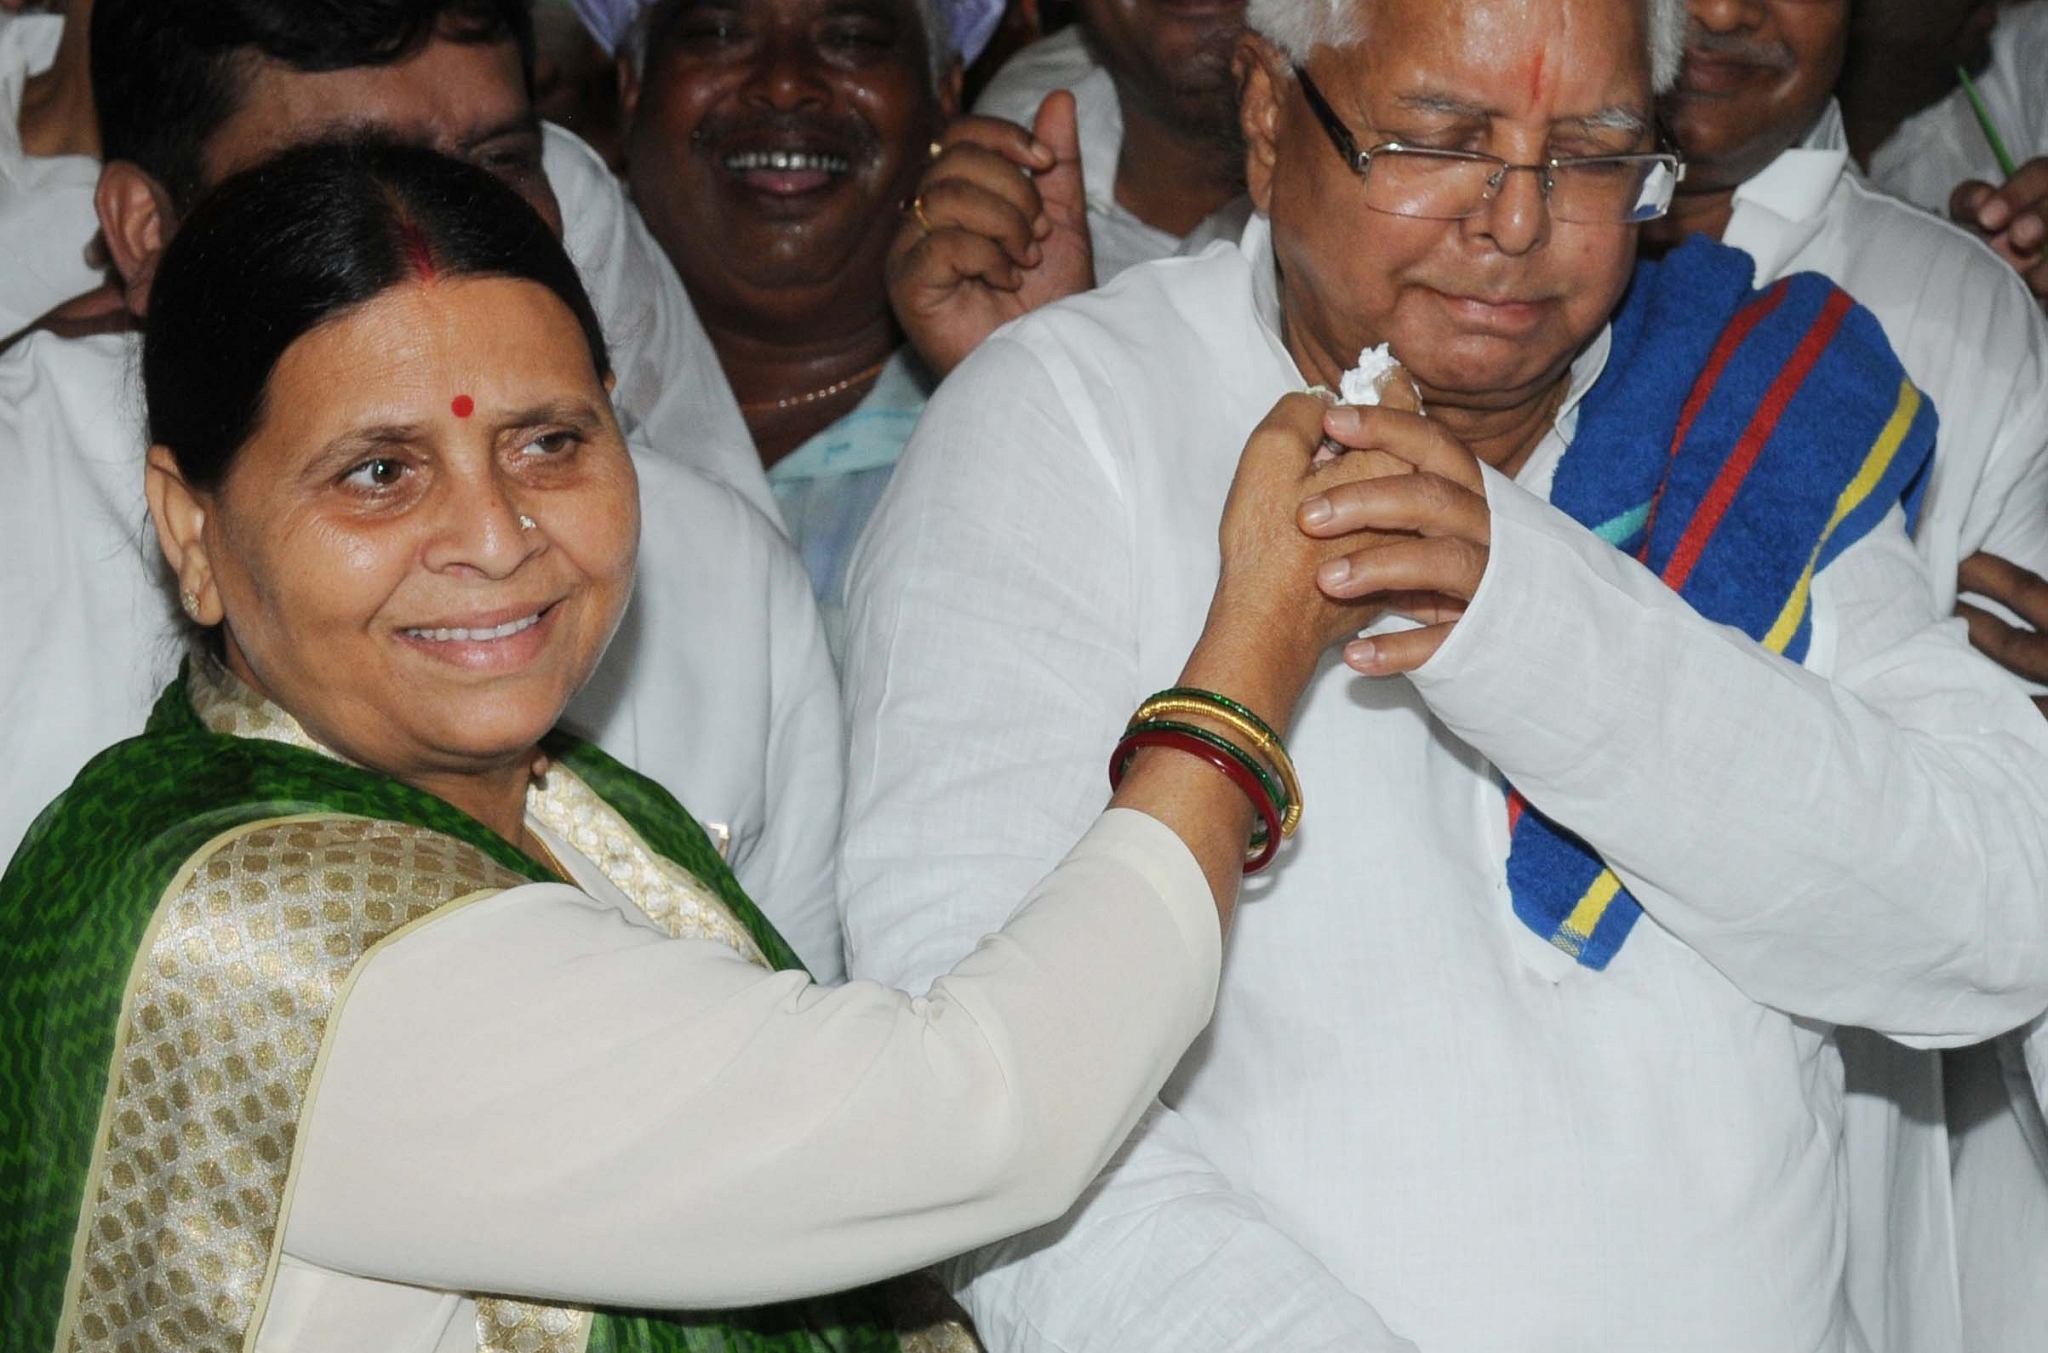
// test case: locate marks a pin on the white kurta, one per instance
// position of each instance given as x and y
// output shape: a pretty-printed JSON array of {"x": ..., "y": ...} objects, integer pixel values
[
  {"x": 544, "y": 1094},
  {"x": 1942, "y": 144},
  {"x": 1121, "y": 240},
  {"x": 719, "y": 685},
  {"x": 1971, "y": 336},
  {"x": 1409, "y": 1107},
  {"x": 46, "y": 212}
]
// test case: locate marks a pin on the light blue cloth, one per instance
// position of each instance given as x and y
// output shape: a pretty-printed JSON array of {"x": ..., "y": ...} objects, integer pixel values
[{"x": 828, "y": 487}]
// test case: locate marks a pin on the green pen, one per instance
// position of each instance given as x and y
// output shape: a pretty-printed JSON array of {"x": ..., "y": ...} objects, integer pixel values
[{"x": 2005, "y": 160}]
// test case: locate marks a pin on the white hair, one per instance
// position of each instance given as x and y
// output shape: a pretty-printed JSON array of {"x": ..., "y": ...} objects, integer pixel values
[
  {"x": 1298, "y": 27},
  {"x": 938, "y": 39}
]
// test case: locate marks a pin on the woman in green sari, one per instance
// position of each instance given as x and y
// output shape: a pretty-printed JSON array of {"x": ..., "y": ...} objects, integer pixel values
[{"x": 352, "y": 1007}]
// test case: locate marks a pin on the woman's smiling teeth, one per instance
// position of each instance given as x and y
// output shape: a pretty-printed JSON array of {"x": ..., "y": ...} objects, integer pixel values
[
  {"x": 786, "y": 161},
  {"x": 476, "y": 636}
]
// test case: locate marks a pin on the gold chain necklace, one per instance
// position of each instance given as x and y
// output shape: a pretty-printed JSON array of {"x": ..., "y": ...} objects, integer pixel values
[{"x": 860, "y": 377}]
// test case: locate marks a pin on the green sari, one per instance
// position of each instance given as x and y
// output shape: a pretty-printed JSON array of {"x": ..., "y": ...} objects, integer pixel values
[{"x": 178, "y": 933}]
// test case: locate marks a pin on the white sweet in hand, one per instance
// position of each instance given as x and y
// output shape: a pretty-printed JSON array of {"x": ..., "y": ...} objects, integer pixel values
[
  {"x": 1378, "y": 379},
  {"x": 1361, "y": 384}
]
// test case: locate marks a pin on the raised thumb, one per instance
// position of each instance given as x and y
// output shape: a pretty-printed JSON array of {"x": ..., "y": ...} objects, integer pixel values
[{"x": 1057, "y": 128}]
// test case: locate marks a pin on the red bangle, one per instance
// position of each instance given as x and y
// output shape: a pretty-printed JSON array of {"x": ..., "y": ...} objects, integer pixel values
[{"x": 1120, "y": 760}]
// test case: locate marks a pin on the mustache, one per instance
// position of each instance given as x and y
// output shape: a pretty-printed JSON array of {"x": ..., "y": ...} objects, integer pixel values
[
  {"x": 852, "y": 138},
  {"x": 1738, "y": 50}
]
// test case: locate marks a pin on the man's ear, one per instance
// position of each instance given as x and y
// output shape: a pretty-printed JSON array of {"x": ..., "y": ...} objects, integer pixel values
[
  {"x": 1263, "y": 80},
  {"x": 180, "y": 514},
  {"x": 137, "y": 219}
]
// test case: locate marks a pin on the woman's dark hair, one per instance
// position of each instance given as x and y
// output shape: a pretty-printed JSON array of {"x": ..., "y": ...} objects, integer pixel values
[
  {"x": 167, "y": 73},
  {"x": 302, "y": 239}
]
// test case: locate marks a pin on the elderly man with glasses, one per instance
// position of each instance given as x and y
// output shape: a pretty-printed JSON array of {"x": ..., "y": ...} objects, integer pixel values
[{"x": 1656, "y": 761}]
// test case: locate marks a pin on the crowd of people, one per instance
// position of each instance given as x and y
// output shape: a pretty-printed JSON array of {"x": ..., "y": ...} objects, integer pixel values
[{"x": 824, "y": 676}]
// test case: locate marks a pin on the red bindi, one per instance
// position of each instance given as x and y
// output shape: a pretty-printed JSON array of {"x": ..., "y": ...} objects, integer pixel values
[{"x": 463, "y": 406}]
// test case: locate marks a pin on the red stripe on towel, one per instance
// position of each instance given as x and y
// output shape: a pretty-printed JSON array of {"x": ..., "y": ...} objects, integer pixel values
[
  {"x": 1739, "y": 329},
  {"x": 1765, "y": 421}
]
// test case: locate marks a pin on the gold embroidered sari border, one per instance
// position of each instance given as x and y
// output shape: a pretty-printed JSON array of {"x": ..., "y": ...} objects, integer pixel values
[{"x": 227, "y": 1021}]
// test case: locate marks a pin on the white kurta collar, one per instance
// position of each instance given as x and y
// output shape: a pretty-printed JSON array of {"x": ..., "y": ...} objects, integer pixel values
[
  {"x": 1783, "y": 206},
  {"x": 1100, "y": 119}
]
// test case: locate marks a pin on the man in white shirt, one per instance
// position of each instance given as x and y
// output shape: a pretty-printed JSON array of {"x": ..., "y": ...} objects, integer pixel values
[
  {"x": 777, "y": 196},
  {"x": 1942, "y": 159},
  {"x": 49, "y": 147},
  {"x": 748, "y": 735},
  {"x": 1768, "y": 172},
  {"x": 1412, "y": 1113},
  {"x": 1143, "y": 163}
]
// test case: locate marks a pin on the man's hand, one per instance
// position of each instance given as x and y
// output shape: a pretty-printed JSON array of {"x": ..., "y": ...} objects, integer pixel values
[
  {"x": 1004, "y": 230},
  {"x": 2023, "y": 652},
  {"x": 1440, "y": 527},
  {"x": 2013, "y": 219},
  {"x": 103, "y": 310}
]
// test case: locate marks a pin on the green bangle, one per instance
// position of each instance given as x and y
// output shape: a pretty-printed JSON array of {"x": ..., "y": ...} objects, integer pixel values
[
  {"x": 1221, "y": 744},
  {"x": 1223, "y": 702},
  {"x": 1236, "y": 719}
]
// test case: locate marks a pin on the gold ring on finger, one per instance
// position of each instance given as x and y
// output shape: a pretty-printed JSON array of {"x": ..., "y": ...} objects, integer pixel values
[{"x": 917, "y": 214}]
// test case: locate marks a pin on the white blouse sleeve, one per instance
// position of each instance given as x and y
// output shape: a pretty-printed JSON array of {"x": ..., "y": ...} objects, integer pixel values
[{"x": 536, "y": 1095}]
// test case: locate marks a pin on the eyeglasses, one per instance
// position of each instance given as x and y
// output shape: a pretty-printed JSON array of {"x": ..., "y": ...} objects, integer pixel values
[{"x": 1451, "y": 185}]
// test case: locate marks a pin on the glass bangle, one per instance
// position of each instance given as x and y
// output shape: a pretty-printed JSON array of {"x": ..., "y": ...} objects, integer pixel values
[
  {"x": 1220, "y": 701},
  {"x": 1261, "y": 852},
  {"x": 1242, "y": 721},
  {"x": 1274, "y": 789}
]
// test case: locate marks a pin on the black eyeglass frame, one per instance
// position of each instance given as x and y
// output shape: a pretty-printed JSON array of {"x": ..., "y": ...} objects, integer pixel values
[{"x": 1361, "y": 160}]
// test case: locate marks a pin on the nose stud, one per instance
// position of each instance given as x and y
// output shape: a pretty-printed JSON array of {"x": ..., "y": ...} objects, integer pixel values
[{"x": 526, "y": 523}]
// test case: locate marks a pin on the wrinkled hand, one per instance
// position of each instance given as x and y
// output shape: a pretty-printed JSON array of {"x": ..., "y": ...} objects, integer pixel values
[
  {"x": 1428, "y": 536},
  {"x": 2013, "y": 219},
  {"x": 1002, "y": 241},
  {"x": 1266, "y": 596},
  {"x": 2023, "y": 652}
]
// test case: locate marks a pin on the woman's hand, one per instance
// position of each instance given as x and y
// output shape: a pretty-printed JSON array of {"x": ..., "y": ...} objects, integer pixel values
[
  {"x": 1268, "y": 626},
  {"x": 1270, "y": 620},
  {"x": 1423, "y": 537}
]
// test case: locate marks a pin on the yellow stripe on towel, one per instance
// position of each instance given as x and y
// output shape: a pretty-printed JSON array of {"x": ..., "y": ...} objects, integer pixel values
[
  {"x": 1585, "y": 918},
  {"x": 1867, "y": 479}
]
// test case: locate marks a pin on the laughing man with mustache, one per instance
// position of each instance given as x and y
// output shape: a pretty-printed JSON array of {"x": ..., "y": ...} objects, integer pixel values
[{"x": 771, "y": 145}]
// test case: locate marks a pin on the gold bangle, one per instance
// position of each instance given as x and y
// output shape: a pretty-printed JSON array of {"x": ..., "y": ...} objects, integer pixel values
[{"x": 1263, "y": 742}]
